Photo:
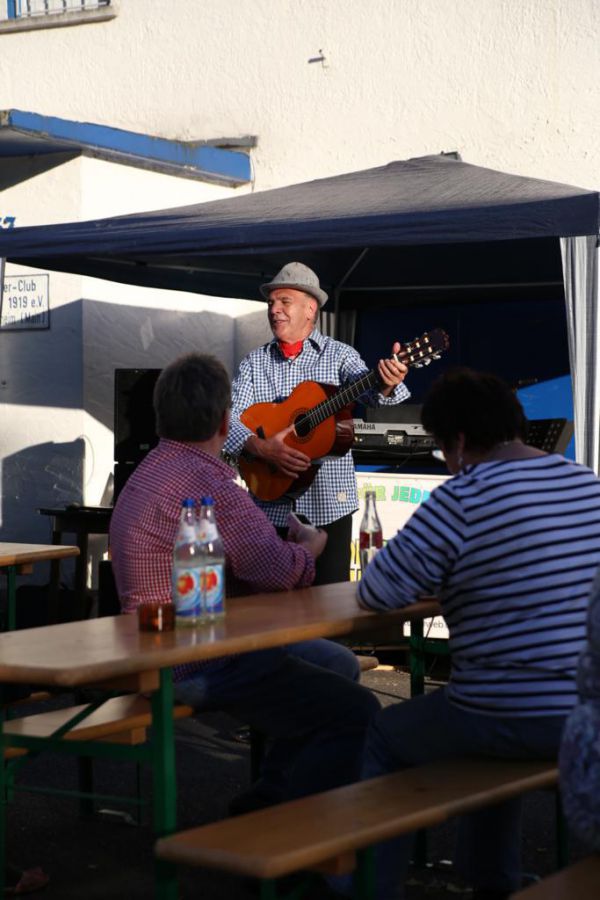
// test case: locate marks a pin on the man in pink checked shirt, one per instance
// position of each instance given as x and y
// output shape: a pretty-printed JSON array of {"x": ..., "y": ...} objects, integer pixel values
[{"x": 305, "y": 698}]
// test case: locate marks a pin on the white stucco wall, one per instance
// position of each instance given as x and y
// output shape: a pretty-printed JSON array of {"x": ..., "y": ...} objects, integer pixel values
[
  {"x": 511, "y": 84},
  {"x": 125, "y": 326},
  {"x": 56, "y": 385},
  {"x": 41, "y": 413}
]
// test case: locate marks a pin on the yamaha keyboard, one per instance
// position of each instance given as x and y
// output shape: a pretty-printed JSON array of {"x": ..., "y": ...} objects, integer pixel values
[
  {"x": 400, "y": 437},
  {"x": 409, "y": 437}
]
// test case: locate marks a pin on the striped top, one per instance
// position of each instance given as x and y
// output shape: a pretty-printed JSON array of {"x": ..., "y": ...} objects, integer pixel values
[
  {"x": 510, "y": 548},
  {"x": 265, "y": 375}
]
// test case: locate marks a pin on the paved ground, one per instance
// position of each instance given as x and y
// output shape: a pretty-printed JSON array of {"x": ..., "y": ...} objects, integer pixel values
[{"x": 107, "y": 858}]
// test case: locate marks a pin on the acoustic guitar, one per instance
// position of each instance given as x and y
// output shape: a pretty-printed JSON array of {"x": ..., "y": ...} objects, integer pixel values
[{"x": 322, "y": 418}]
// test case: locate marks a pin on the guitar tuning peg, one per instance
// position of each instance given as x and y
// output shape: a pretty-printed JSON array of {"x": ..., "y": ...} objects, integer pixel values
[
  {"x": 426, "y": 361},
  {"x": 417, "y": 365}
]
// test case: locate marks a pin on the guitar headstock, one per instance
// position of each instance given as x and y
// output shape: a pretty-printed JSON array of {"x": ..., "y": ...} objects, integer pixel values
[{"x": 423, "y": 350}]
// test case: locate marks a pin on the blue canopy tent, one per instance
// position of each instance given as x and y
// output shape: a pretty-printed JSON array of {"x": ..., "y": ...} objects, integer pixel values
[{"x": 372, "y": 236}]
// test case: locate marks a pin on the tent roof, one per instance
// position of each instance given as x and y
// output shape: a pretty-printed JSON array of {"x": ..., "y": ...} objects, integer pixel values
[{"x": 229, "y": 247}]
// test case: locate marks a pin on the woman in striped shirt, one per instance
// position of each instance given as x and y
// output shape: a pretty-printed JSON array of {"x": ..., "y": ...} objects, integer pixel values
[{"x": 510, "y": 546}]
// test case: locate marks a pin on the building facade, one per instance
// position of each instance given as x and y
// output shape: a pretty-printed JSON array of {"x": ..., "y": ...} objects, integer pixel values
[{"x": 123, "y": 98}]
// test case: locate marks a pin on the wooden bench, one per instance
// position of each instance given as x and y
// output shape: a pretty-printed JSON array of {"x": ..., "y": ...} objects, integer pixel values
[
  {"x": 325, "y": 830},
  {"x": 581, "y": 881},
  {"x": 119, "y": 720}
]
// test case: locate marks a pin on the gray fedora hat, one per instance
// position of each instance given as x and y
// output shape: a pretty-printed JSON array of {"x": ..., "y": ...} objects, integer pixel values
[{"x": 299, "y": 277}]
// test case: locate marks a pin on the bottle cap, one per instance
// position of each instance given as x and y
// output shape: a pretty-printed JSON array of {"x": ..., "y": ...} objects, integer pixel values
[
  {"x": 207, "y": 501},
  {"x": 188, "y": 502}
]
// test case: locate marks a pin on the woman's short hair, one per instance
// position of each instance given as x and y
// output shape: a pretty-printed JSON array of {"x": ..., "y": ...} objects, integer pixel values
[
  {"x": 479, "y": 405},
  {"x": 190, "y": 398}
]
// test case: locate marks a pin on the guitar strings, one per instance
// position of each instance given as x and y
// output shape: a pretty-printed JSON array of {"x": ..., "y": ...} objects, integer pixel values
[
  {"x": 352, "y": 392},
  {"x": 347, "y": 395}
]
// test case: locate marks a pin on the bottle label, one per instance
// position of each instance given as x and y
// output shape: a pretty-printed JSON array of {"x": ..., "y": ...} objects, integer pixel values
[
  {"x": 369, "y": 542},
  {"x": 213, "y": 589},
  {"x": 187, "y": 595},
  {"x": 370, "y": 539}
]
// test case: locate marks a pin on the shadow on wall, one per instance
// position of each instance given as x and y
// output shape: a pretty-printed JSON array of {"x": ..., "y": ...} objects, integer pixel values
[
  {"x": 23, "y": 168},
  {"x": 71, "y": 366},
  {"x": 43, "y": 367},
  {"x": 45, "y": 475},
  {"x": 134, "y": 337}
]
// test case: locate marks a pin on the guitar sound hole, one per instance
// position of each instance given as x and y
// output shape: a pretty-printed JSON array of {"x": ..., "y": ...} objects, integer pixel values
[{"x": 302, "y": 426}]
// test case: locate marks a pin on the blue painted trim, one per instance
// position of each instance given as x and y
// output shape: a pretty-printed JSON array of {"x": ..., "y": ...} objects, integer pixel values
[
  {"x": 211, "y": 162},
  {"x": 11, "y": 9}
]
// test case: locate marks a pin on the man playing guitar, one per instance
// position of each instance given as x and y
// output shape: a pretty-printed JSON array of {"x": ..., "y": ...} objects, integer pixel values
[{"x": 299, "y": 353}]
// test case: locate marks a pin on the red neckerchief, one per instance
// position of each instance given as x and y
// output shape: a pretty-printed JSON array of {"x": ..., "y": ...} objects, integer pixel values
[{"x": 290, "y": 350}]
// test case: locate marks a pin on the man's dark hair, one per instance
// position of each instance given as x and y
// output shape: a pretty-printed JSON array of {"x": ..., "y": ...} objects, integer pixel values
[
  {"x": 190, "y": 398},
  {"x": 479, "y": 405}
]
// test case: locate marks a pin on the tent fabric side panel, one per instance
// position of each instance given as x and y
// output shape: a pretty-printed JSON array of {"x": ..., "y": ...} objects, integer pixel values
[
  {"x": 340, "y": 325},
  {"x": 580, "y": 258}
]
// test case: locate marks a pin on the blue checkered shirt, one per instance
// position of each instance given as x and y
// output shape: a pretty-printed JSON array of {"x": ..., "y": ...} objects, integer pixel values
[{"x": 264, "y": 376}]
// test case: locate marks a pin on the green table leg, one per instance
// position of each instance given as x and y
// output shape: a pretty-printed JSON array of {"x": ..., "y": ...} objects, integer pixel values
[
  {"x": 417, "y": 686},
  {"x": 268, "y": 889},
  {"x": 3, "y": 803},
  {"x": 416, "y": 645},
  {"x": 165, "y": 795},
  {"x": 364, "y": 875}
]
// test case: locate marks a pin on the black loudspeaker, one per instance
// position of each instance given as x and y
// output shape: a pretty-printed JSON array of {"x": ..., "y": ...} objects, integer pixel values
[{"x": 134, "y": 426}]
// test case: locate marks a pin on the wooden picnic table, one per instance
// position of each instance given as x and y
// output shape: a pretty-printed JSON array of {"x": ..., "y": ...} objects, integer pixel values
[
  {"x": 19, "y": 559},
  {"x": 111, "y": 652}
]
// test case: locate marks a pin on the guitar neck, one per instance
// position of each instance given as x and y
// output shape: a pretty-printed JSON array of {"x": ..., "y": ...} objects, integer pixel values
[
  {"x": 416, "y": 353},
  {"x": 343, "y": 397}
]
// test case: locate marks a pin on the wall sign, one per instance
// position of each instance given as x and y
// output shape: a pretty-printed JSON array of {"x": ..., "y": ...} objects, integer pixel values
[{"x": 25, "y": 303}]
